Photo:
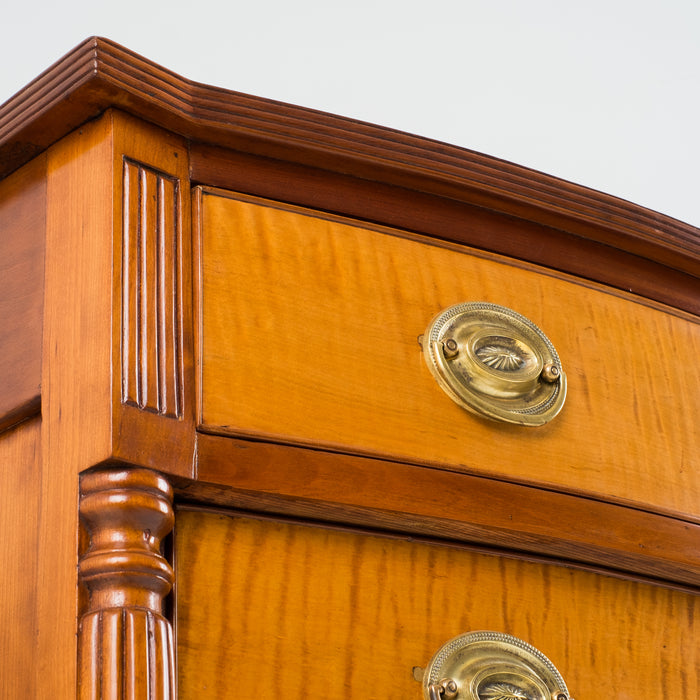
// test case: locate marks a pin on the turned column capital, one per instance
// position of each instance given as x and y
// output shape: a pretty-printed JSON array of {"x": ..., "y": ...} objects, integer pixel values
[
  {"x": 126, "y": 513},
  {"x": 126, "y": 647}
]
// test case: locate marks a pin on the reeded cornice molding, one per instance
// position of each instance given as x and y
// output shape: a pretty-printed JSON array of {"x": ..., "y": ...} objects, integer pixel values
[{"x": 99, "y": 74}]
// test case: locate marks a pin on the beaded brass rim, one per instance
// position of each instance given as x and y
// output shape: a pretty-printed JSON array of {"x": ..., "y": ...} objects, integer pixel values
[
  {"x": 496, "y": 363},
  {"x": 487, "y": 665}
]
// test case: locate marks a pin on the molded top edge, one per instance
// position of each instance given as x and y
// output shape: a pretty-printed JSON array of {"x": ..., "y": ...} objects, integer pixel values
[{"x": 99, "y": 74}]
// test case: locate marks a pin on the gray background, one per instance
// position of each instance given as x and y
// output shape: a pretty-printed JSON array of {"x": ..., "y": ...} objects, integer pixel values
[{"x": 604, "y": 93}]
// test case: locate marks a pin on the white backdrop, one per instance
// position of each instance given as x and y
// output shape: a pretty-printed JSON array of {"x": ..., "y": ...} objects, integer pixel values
[{"x": 605, "y": 93}]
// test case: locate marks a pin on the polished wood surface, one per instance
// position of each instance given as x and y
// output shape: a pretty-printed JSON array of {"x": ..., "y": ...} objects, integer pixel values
[
  {"x": 99, "y": 74},
  {"x": 283, "y": 610},
  {"x": 446, "y": 219},
  {"x": 151, "y": 324},
  {"x": 22, "y": 228},
  {"x": 405, "y": 498},
  {"x": 309, "y": 327},
  {"x": 118, "y": 317},
  {"x": 125, "y": 647},
  {"x": 75, "y": 429},
  {"x": 20, "y": 498},
  {"x": 86, "y": 420},
  {"x": 153, "y": 419}
]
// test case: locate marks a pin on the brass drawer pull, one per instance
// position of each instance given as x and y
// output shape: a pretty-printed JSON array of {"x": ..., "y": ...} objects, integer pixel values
[
  {"x": 446, "y": 689},
  {"x": 496, "y": 363},
  {"x": 492, "y": 666}
]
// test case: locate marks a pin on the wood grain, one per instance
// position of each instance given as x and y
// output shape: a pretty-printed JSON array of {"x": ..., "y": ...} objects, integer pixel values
[
  {"x": 151, "y": 338},
  {"x": 99, "y": 74},
  {"x": 125, "y": 645},
  {"x": 446, "y": 219},
  {"x": 20, "y": 479},
  {"x": 412, "y": 499},
  {"x": 152, "y": 330},
  {"x": 22, "y": 231},
  {"x": 310, "y": 612},
  {"x": 84, "y": 422},
  {"x": 309, "y": 327},
  {"x": 76, "y": 381},
  {"x": 126, "y": 654}
]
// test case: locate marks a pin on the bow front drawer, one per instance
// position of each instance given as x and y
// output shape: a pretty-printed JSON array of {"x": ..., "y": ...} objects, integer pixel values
[{"x": 308, "y": 334}]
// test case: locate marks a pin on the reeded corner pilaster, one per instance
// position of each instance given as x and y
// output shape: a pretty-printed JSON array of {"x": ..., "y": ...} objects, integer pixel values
[
  {"x": 125, "y": 643},
  {"x": 153, "y": 389}
]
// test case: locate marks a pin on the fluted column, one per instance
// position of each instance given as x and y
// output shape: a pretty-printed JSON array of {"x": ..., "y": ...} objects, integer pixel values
[{"x": 125, "y": 644}]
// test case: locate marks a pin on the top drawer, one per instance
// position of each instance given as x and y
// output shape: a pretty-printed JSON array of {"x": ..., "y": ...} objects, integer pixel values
[{"x": 308, "y": 329}]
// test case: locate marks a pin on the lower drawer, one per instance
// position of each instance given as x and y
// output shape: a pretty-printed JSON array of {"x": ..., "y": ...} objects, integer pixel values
[{"x": 270, "y": 609}]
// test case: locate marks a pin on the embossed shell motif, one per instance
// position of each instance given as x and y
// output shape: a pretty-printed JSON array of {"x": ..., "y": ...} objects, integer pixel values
[
  {"x": 500, "y": 357},
  {"x": 503, "y": 691}
]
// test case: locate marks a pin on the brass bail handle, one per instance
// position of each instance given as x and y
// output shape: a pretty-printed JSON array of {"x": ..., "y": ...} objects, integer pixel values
[
  {"x": 496, "y": 363},
  {"x": 486, "y": 665},
  {"x": 446, "y": 689}
]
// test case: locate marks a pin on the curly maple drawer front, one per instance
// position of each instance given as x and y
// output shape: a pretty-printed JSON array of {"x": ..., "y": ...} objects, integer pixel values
[
  {"x": 308, "y": 335},
  {"x": 276, "y": 609}
]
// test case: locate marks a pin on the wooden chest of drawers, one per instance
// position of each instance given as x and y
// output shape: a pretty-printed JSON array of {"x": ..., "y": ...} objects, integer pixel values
[{"x": 235, "y": 471}]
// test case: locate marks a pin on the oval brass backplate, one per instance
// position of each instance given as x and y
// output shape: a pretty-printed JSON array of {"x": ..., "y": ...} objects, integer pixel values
[
  {"x": 496, "y": 363},
  {"x": 492, "y": 666}
]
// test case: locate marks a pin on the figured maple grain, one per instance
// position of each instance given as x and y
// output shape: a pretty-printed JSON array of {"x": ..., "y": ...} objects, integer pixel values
[
  {"x": 446, "y": 218},
  {"x": 22, "y": 231},
  {"x": 20, "y": 496},
  {"x": 411, "y": 499},
  {"x": 297, "y": 612},
  {"x": 309, "y": 328}
]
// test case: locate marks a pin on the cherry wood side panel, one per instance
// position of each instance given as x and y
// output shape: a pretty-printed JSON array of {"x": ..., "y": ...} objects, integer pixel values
[
  {"x": 283, "y": 610},
  {"x": 22, "y": 231},
  {"x": 76, "y": 384},
  {"x": 411, "y": 499},
  {"x": 308, "y": 335},
  {"x": 20, "y": 480}
]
